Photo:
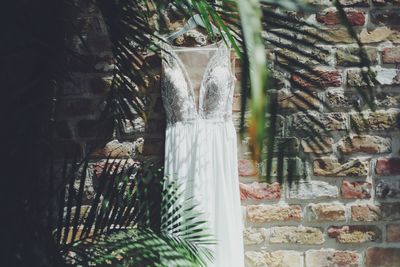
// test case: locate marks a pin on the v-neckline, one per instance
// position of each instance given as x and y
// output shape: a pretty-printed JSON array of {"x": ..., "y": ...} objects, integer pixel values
[{"x": 197, "y": 104}]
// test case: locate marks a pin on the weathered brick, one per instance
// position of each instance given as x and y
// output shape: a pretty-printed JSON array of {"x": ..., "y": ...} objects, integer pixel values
[
  {"x": 390, "y": 211},
  {"x": 354, "y": 2},
  {"x": 343, "y": 99},
  {"x": 279, "y": 258},
  {"x": 393, "y": 232},
  {"x": 387, "y": 257},
  {"x": 379, "y": 34},
  {"x": 356, "y": 78},
  {"x": 332, "y": 167},
  {"x": 264, "y": 191},
  {"x": 320, "y": 78},
  {"x": 317, "y": 146},
  {"x": 254, "y": 236},
  {"x": 350, "y": 56},
  {"x": 334, "y": 121},
  {"x": 247, "y": 167},
  {"x": 384, "y": 2},
  {"x": 391, "y": 55},
  {"x": 355, "y": 190},
  {"x": 271, "y": 213},
  {"x": 390, "y": 17},
  {"x": 297, "y": 100},
  {"x": 296, "y": 235},
  {"x": 332, "y": 258},
  {"x": 134, "y": 127},
  {"x": 376, "y": 35},
  {"x": 350, "y": 234},
  {"x": 338, "y": 35},
  {"x": 317, "y": 57},
  {"x": 115, "y": 149},
  {"x": 388, "y": 119},
  {"x": 387, "y": 76},
  {"x": 319, "y": 2},
  {"x": 383, "y": 76},
  {"x": 335, "y": 35},
  {"x": 387, "y": 100},
  {"x": 236, "y": 102},
  {"x": 292, "y": 166},
  {"x": 364, "y": 143},
  {"x": 365, "y": 213},
  {"x": 387, "y": 166},
  {"x": 331, "y": 17},
  {"x": 112, "y": 166},
  {"x": 387, "y": 189},
  {"x": 287, "y": 146},
  {"x": 313, "y": 190},
  {"x": 327, "y": 212}
]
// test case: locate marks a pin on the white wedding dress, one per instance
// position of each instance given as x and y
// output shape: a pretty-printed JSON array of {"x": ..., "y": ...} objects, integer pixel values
[{"x": 201, "y": 144}]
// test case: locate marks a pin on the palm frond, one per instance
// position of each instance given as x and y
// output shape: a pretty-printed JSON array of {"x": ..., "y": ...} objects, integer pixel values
[{"x": 101, "y": 235}]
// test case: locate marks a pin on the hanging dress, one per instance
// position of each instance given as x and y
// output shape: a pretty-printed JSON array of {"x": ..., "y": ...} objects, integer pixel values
[{"x": 201, "y": 141}]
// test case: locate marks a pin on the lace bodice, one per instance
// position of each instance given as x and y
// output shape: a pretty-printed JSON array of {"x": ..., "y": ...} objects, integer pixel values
[{"x": 216, "y": 87}]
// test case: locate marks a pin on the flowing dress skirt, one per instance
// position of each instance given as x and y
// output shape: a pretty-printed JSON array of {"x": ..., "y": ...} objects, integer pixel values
[{"x": 202, "y": 155}]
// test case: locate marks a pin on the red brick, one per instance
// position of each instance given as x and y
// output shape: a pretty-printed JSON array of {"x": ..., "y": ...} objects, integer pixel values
[
  {"x": 391, "y": 55},
  {"x": 393, "y": 233},
  {"x": 353, "y": 190},
  {"x": 355, "y": 17},
  {"x": 318, "y": 79},
  {"x": 327, "y": 212},
  {"x": 365, "y": 213},
  {"x": 387, "y": 166},
  {"x": 364, "y": 143},
  {"x": 247, "y": 168},
  {"x": 260, "y": 191},
  {"x": 352, "y": 234},
  {"x": 317, "y": 146},
  {"x": 387, "y": 257}
]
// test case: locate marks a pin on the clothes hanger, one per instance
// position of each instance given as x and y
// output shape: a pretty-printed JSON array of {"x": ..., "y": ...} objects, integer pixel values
[{"x": 192, "y": 23}]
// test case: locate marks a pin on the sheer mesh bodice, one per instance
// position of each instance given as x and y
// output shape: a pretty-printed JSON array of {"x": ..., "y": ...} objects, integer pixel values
[
  {"x": 201, "y": 142},
  {"x": 216, "y": 87}
]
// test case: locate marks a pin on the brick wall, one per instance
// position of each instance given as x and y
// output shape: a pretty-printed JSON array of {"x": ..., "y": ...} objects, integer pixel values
[{"x": 347, "y": 210}]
